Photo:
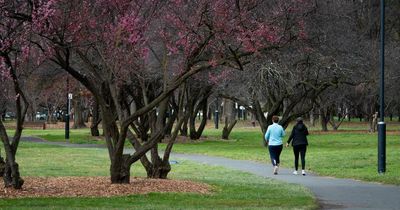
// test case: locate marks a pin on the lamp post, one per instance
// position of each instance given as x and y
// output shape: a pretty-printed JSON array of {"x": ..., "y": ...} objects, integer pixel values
[
  {"x": 381, "y": 123},
  {"x": 216, "y": 114},
  {"x": 69, "y": 97}
]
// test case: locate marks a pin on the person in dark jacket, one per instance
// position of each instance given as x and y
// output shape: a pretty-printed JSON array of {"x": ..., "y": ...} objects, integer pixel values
[{"x": 298, "y": 137}]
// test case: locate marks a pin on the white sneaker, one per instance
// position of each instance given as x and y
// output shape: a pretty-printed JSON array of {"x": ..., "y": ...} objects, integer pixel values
[
  {"x": 275, "y": 170},
  {"x": 294, "y": 172},
  {"x": 303, "y": 172}
]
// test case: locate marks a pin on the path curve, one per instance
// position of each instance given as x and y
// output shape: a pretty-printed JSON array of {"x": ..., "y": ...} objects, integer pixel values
[{"x": 332, "y": 193}]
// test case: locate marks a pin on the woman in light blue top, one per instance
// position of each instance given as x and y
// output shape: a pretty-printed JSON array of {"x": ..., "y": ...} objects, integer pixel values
[{"x": 273, "y": 137}]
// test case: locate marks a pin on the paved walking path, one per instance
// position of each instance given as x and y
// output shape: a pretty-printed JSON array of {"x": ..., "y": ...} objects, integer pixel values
[{"x": 332, "y": 193}]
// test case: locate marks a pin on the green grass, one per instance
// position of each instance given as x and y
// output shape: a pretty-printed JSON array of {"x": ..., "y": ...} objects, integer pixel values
[
  {"x": 76, "y": 136},
  {"x": 347, "y": 155},
  {"x": 354, "y": 156},
  {"x": 343, "y": 155},
  {"x": 231, "y": 189},
  {"x": 34, "y": 161},
  {"x": 355, "y": 125}
]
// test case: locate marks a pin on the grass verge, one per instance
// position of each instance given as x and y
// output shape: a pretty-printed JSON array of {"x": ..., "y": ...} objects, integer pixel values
[
  {"x": 344, "y": 155},
  {"x": 231, "y": 189}
]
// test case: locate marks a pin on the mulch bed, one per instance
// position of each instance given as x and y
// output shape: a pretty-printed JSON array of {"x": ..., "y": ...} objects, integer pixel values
[{"x": 98, "y": 187}]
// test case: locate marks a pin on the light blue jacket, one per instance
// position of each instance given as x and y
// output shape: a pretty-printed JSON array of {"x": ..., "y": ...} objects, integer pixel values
[{"x": 274, "y": 134}]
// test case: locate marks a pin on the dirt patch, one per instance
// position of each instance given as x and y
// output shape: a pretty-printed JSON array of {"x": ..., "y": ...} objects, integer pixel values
[{"x": 98, "y": 187}]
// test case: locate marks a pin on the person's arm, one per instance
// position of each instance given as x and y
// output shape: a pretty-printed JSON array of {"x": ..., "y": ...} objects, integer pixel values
[
  {"x": 267, "y": 135},
  {"x": 306, "y": 131},
  {"x": 290, "y": 138}
]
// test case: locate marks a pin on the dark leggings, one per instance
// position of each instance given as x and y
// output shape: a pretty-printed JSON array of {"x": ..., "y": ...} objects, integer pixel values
[
  {"x": 302, "y": 150},
  {"x": 274, "y": 153}
]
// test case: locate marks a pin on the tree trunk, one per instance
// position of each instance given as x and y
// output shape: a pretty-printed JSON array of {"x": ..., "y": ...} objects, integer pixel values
[
  {"x": 312, "y": 117},
  {"x": 196, "y": 134},
  {"x": 172, "y": 115},
  {"x": 157, "y": 168},
  {"x": 119, "y": 167},
  {"x": 79, "y": 120},
  {"x": 184, "y": 128},
  {"x": 2, "y": 166},
  {"x": 11, "y": 175},
  {"x": 228, "y": 128},
  {"x": 161, "y": 167},
  {"x": 324, "y": 119},
  {"x": 230, "y": 120},
  {"x": 171, "y": 142},
  {"x": 120, "y": 170},
  {"x": 260, "y": 117},
  {"x": 31, "y": 116},
  {"x": 50, "y": 117},
  {"x": 209, "y": 113},
  {"x": 373, "y": 122},
  {"x": 331, "y": 119},
  {"x": 94, "y": 130},
  {"x": 398, "y": 113},
  {"x": 94, "y": 126}
]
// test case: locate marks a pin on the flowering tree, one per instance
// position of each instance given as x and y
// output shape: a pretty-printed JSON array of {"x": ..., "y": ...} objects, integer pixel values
[
  {"x": 52, "y": 93},
  {"x": 209, "y": 30},
  {"x": 14, "y": 60},
  {"x": 119, "y": 50}
]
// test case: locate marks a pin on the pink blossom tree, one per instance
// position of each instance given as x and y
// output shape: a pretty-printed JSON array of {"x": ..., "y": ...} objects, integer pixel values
[
  {"x": 119, "y": 50},
  {"x": 52, "y": 95},
  {"x": 14, "y": 64}
]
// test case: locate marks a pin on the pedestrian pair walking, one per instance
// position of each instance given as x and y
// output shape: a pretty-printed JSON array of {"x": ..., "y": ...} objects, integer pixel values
[{"x": 298, "y": 138}]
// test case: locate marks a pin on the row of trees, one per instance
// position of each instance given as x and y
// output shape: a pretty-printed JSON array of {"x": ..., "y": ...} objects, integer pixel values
[
  {"x": 334, "y": 72},
  {"x": 151, "y": 66}
]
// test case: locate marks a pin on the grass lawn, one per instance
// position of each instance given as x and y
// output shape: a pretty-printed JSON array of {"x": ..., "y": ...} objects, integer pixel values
[
  {"x": 343, "y": 155},
  {"x": 76, "y": 136},
  {"x": 231, "y": 189}
]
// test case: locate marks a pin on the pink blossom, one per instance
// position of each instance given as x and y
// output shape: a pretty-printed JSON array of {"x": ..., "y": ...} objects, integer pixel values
[
  {"x": 4, "y": 70},
  {"x": 213, "y": 62}
]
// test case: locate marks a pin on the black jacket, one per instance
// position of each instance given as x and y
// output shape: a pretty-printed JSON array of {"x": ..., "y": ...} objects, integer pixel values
[{"x": 299, "y": 135}]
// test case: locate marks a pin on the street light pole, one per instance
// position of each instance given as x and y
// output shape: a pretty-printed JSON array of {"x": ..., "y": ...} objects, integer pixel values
[
  {"x": 381, "y": 124},
  {"x": 216, "y": 114},
  {"x": 67, "y": 114}
]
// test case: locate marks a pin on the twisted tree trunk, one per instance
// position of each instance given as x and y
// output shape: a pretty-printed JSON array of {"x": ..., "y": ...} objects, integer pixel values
[
  {"x": 79, "y": 120},
  {"x": 2, "y": 166},
  {"x": 198, "y": 102},
  {"x": 94, "y": 127},
  {"x": 155, "y": 167},
  {"x": 196, "y": 134},
  {"x": 324, "y": 119},
  {"x": 11, "y": 174},
  {"x": 230, "y": 120}
]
